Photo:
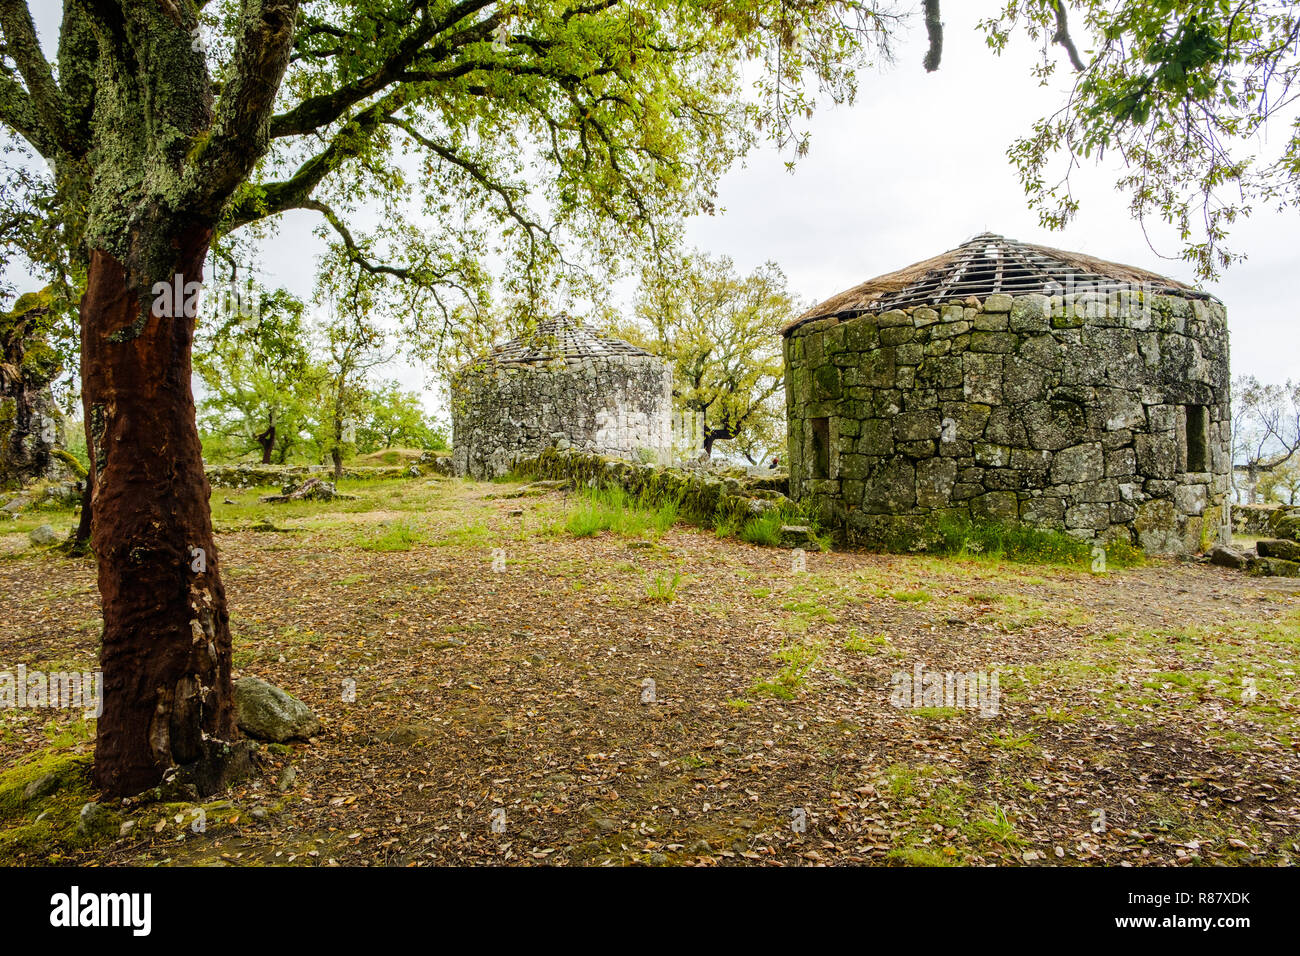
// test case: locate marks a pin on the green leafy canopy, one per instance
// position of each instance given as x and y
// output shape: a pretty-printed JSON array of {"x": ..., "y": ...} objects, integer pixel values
[
  {"x": 552, "y": 137},
  {"x": 1181, "y": 91}
]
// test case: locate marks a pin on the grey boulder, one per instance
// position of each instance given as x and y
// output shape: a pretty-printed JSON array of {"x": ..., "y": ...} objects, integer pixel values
[
  {"x": 1227, "y": 557},
  {"x": 44, "y": 535},
  {"x": 266, "y": 712}
]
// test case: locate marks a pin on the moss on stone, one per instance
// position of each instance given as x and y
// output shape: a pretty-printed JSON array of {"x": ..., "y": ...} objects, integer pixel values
[
  {"x": 74, "y": 465},
  {"x": 732, "y": 499}
]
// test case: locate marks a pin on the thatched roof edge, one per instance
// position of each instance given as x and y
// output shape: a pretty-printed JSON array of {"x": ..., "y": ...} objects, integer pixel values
[{"x": 860, "y": 298}]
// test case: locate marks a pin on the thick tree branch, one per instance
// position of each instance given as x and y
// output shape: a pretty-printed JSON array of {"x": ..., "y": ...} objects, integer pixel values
[
  {"x": 318, "y": 111},
  {"x": 19, "y": 113},
  {"x": 1062, "y": 36},
  {"x": 78, "y": 58},
  {"x": 416, "y": 61},
  {"x": 292, "y": 193},
  {"x": 24, "y": 48},
  {"x": 934, "y": 30},
  {"x": 240, "y": 129},
  {"x": 350, "y": 141}
]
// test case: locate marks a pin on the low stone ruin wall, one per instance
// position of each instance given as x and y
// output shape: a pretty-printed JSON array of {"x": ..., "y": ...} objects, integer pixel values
[
  {"x": 702, "y": 496},
  {"x": 1252, "y": 519},
  {"x": 1276, "y": 553},
  {"x": 259, "y": 475}
]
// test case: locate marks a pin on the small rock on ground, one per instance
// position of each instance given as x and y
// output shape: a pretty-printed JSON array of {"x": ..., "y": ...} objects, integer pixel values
[
  {"x": 42, "y": 536},
  {"x": 266, "y": 712},
  {"x": 1226, "y": 557}
]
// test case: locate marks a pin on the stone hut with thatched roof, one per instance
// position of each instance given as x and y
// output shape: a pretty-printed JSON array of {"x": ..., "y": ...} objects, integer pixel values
[
  {"x": 1008, "y": 382},
  {"x": 561, "y": 386}
]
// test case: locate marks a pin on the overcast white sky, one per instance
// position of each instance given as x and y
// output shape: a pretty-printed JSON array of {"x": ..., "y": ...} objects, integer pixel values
[{"x": 916, "y": 166}]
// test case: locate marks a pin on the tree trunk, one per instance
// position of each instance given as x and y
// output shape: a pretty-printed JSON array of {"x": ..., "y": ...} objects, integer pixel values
[
  {"x": 28, "y": 433},
  {"x": 267, "y": 441},
  {"x": 712, "y": 435},
  {"x": 80, "y": 543},
  {"x": 166, "y": 652},
  {"x": 336, "y": 453}
]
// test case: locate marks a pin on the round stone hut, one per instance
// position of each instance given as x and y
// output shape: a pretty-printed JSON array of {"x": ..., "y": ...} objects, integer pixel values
[
  {"x": 1007, "y": 382},
  {"x": 561, "y": 386}
]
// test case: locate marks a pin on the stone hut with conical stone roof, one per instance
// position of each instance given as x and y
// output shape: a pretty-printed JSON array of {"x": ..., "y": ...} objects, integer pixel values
[
  {"x": 560, "y": 386},
  {"x": 1008, "y": 382}
]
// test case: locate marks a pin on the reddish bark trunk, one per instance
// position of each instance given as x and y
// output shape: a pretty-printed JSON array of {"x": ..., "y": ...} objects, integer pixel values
[{"x": 167, "y": 693}]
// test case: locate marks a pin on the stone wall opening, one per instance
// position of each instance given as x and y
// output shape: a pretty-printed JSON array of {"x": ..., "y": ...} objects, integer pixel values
[
  {"x": 1197, "y": 427},
  {"x": 820, "y": 458}
]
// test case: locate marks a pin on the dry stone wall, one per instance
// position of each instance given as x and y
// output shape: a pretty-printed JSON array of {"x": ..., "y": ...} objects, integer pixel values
[
  {"x": 1103, "y": 415},
  {"x": 618, "y": 405}
]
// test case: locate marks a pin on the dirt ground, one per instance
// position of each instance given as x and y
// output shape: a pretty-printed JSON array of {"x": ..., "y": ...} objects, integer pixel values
[{"x": 525, "y": 696}]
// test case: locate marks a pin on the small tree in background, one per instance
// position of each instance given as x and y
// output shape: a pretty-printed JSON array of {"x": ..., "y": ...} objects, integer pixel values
[
  {"x": 395, "y": 418},
  {"x": 258, "y": 377},
  {"x": 1265, "y": 428},
  {"x": 1282, "y": 484},
  {"x": 350, "y": 346},
  {"x": 720, "y": 332}
]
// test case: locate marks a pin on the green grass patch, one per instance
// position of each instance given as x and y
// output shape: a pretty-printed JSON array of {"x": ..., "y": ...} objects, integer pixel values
[
  {"x": 857, "y": 643},
  {"x": 1013, "y": 741},
  {"x": 1014, "y": 612},
  {"x": 907, "y": 597},
  {"x": 934, "y": 713},
  {"x": 614, "y": 510},
  {"x": 798, "y": 659},
  {"x": 663, "y": 589},
  {"x": 662, "y": 503},
  {"x": 997, "y": 827},
  {"x": 764, "y": 530},
  {"x": 396, "y": 536},
  {"x": 1006, "y": 541}
]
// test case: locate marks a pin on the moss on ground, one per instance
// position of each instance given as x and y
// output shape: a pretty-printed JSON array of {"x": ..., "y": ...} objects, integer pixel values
[{"x": 41, "y": 801}]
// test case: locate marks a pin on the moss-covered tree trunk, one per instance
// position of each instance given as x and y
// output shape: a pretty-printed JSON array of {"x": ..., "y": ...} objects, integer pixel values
[
  {"x": 28, "y": 422},
  {"x": 166, "y": 157},
  {"x": 166, "y": 643}
]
